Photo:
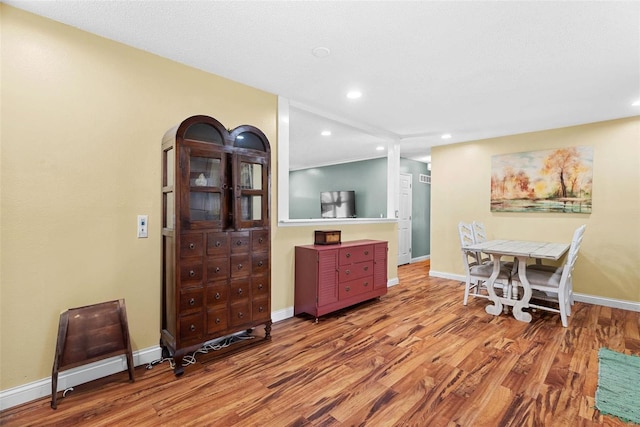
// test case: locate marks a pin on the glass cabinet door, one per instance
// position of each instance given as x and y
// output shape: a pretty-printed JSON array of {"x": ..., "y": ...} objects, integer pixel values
[
  {"x": 206, "y": 188},
  {"x": 251, "y": 191}
]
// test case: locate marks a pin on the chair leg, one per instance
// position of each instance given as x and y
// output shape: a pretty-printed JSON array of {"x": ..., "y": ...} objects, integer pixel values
[{"x": 467, "y": 285}]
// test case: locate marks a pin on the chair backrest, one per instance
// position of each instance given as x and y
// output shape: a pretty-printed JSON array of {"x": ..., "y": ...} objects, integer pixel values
[
  {"x": 572, "y": 256},
  {"x": 465, "y": 231},
  {"x": 479, "y": 232}
]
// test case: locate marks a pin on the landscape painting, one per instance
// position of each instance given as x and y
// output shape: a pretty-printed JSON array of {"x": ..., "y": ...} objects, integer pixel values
[{"x": 543, "y": 181}]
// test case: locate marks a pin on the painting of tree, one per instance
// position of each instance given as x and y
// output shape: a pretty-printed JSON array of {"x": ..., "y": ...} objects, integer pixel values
[{"x": 543, "y": 181}]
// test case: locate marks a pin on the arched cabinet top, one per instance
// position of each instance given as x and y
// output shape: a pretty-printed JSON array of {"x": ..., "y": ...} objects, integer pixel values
[{"x": 207, "y": 129}]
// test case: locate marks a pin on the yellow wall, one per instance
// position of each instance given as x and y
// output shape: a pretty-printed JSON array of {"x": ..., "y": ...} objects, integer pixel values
[
  {"x": 609, "y": 260},
  {"x": 82, "y": 123}
]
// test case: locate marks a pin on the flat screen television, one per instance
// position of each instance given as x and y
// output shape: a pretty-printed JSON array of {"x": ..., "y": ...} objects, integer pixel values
[{"x": 338, "y": 204}]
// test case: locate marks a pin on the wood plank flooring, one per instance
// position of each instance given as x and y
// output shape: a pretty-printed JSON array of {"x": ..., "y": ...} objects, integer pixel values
[{"x": 415, "y": 357}]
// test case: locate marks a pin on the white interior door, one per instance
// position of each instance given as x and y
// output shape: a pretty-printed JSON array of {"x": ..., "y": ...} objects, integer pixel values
[{"x": 404, "y": 219}]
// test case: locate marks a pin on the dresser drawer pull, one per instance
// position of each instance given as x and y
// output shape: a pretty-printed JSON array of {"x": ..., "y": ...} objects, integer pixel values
[
  {"x": 218, "y": 244},
  {"x": 217, "y": 296},
  {"x": 239, "y": 291},
  {"x": 348, "y": 288},
  {"x": 240, "y": 315},
  {"x": 365, "y": 284},
  {"x": 261, "y": 309},
  {"x": 239, "y": 266},
  {"x": 217, "y": 269},
  {"x": 347, "y": 272},
  {"x": 192, "y": 327},
  {"x": 366, "y": 268},
  {"x": 260, "y": 263},
  {"x": 366, "y": 252},
  {"x": 192, "y": 273},
  {"x": 239, "y": 243},
  {"x": 217, "y": 320},
  {"x": 260, "y": 240},
  {"x": 192, "y": 301},
  {"x": 348, "y": 255},
  {"x": 260, "y": 286},
  {"x": 192, "y": 245}
]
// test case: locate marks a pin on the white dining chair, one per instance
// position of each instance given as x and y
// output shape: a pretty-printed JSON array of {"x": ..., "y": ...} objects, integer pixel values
[
  {"x": 555, "y": 284},
  {"x": 480, "y": 236},
  {"x": 477, "y": 273}
]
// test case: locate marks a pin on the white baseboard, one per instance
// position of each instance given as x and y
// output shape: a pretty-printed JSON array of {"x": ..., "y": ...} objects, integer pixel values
[
  {"x": 589, "y": 299},
  {"x": 72, "y": 377},
  {"x": 92, "y": 371},
  {"x": 420, "y": 259}
]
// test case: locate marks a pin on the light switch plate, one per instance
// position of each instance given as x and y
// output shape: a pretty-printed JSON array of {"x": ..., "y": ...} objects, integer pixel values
[{"x": 143, "y": 221}]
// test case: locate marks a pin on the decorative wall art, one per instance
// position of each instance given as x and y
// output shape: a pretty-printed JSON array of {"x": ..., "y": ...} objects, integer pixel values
[{"x": 543, "y": 181}]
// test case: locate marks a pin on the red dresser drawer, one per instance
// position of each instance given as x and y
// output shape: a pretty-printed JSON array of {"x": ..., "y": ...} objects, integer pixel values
[
  {"x": 355, "y": 271},
  {"x": 356, "y": 254}
]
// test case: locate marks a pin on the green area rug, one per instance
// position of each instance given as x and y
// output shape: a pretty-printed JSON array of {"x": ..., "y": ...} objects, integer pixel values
[{"x": 618, "y": 392}]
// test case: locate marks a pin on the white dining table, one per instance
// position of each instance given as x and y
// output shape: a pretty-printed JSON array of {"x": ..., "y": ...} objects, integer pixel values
[{"x": 521, "y": 251}]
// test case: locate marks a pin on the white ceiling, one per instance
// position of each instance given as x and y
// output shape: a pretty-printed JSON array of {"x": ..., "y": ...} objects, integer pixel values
[{"x": 472, "y": 69}]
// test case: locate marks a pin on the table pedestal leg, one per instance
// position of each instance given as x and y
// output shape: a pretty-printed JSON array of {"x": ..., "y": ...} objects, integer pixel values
[
  {"x": 496, "y": 308},
  {"x": 526, "y": 297}
]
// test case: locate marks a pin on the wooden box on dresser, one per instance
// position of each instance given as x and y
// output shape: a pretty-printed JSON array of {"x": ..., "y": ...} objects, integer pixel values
[
  {"x": 332, "y": 277},
  {"x": 216, "y": 247}
]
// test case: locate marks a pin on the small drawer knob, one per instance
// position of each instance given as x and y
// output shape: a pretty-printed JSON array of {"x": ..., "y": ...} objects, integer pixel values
[
  {"x": 192, "y": 301},
  {"x": 261, "y": 309},
  {"x": 239, "y": 243},
  {"x": 217, "y": 296},
  {"x": 348, "y": 255},
  {"x": 192, "y": 273},
  {"x": 366, "y": 268},
  {"x": 217, "y": 320},
  {"x": 347, "y": 272},
  {"x": 217, "y": 269},
  {"x": 240, "y": 315},
  {"x": 348, "y": 288},
  {"x": 365, "y": 284},
  {"x": 366, "y": 252},
  {"x": 260, "y": 286},
  {"x": 239, "y": 291},
  {"x": 239, "y": 266},
  {"x": 260, "y": 263},
  {"x": 260, "y": 240},
  {"x": 192, "y": 245},
  {"x": 218, "y": 244},
  {"x": 192, "y": 327}
]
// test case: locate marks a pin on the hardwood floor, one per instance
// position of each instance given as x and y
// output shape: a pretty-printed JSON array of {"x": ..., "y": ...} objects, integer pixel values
[{"x": 416, "y": 357}]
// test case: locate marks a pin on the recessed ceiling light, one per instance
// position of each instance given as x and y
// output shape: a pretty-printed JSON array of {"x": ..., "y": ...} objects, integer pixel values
[
  {"x": 636, "y": 104},
  {"x": 446, "y": 136},
  {"x": 325, "y": 133},
  {"x": 321, "y": 52},
  {"x": 354, "y": 94},
  {"x": 380, "y": 148}
]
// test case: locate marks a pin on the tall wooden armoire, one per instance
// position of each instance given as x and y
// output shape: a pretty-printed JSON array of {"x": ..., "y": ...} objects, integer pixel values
[{"x": 216, "y": 250}]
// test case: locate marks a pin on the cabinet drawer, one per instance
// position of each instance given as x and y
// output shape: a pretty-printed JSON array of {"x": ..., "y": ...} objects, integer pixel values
[
  {"x": 240, "y": 266},
  {"x": 240, "y": 242},
  {"x": 191, "y": 326},
  {"x": 260, "y": 263},
  {"x": 240, "y": 290},
  {"x": 216, "y": 320},
  {"x": 260, "y": 286},
  {"x": 191, "y": 245},
  {"x": 355, "y": 287},
  {"x": 191, "y": 300},
  {"x": 217, "y": 244},
  {"x": 217, "y": 295},
  {"x": 355, "y": 271},
  {"x": 240, "y": 313},
  {"x": 261, "y": 309},
  {"x": 217, "y": 269},
  {"x": 260, "y": 241},
  {"x": 356, "y": 254},
  {"x": 190, "y": 274}
]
